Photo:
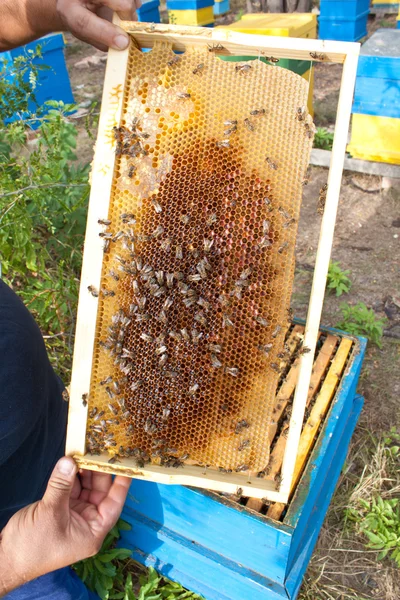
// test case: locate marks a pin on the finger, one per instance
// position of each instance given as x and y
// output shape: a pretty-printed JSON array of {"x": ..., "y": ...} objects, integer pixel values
[
  {"x": 86, "y": 479},
  {"x": 60, "y": 485},
  {"x": 77, "y": 488},
  {"x": 110, "y": 508},
  {"x": 90, "y": 28},
  {"x": 101, "y": 482}
]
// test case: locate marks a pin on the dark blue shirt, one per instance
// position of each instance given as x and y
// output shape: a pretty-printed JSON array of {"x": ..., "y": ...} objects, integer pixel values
[{"x": 33, "y": 413}]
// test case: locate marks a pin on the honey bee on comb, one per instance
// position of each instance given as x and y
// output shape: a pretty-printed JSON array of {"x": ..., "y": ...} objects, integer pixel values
[{"x": 199, "y": 262}]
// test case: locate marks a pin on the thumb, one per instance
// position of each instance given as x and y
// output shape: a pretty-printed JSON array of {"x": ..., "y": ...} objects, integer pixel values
[{"x": 60, "y": 484}]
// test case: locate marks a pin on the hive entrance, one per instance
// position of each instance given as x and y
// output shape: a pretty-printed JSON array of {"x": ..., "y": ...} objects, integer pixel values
[{"x": 199, "y": 259}]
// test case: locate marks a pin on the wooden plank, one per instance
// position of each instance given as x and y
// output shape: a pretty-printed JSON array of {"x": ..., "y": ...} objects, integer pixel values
[
  {"x": 321, "y": 268},
  {"x": 317, "y": 415},
  {"x": 145, "y": 34},
  {"x": 101, "y": 183},
  {"x": 322, "y": 158},
  {"x": 320, "y": 364},
  {"x": 191, "y": 475}
]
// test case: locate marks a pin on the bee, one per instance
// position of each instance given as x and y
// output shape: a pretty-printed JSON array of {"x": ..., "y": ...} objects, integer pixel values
[
  {"x": 198, "y": 69},
  {"x": 317, "y": 55},
  {"x": 165, "y": 414},
  {"x": 242, "y": 468},
  {"x": 243, "y": 68},
  {"x": 105, "y": 222},
  {"x": 258, "y": 112},
  {"x": 308, "y": 130},
  {"x": 184, "y": 219},
  {"x": 203, "y": 303},
  {"x": 114, "y": 409},
  {"x": 183, "y": 96},
  {"x": 249, "y": 125},
  {"x": 243, "y": 445},
  {"x": 131, "y": 171},
  {"x": 196, "y": 335},
  {"x": 305, "y": 350},
  {"x": 215, "y": 47},
  {"x": 93, "y": 291},
  {"x": 161, "y": 350},
  {"x": 135, "y": 123},
  {"x": 125, "y": 217},
  {"x": 289, "y": 223},
  {"x": 107, "y": 293},
  {"x": 114, "y": 459},
  {"x": 265, "y": 348},
  {"x": 290, "y": 314},
  {"x": 261, "y": 321},
  {"x": 212, "y": 219},
  {"x": 163, "y": 359},
  {"x": 207, "y": 245},
  {"x": 106, "y": 247},
  {"x": 264, "y": 242},
  {"x": 200, "y": 318},
  {"x": 217, "y": 348},
  {"x": 185, "y": 334},
  {"x": 234, "y": 371},
  {"x": 178, "y": 252},
  {"x": 174, "y": 61},
  {"x": 175, "y": 335},
  {"x": 157, "y": 206},
  {"x": 113, "y": 274},
  {"x": 230, "y": 123},
  {"x": 110, "y": 394},
  {"x": 194, "y": 277},
  {"x": 84, "y": 399},
  {"x": 231, "y": 130},
  {"x": 284, "y": 213},
  {"x": 240, "y": 425},
  {"x": 127, "y": 354},
  {"x": 272, "y": 59},
  {"x": 266, "y": 226},
  {"x": 136, "y": 385},
  {"x": 277, "y": 330},
  {"x": 166, "y": 244},
  {"x": 272, "y": 165},
  {"x": 283, "y": 247},
  {"x": 301, "y": 113},
  {"x": 227, "y": 321},
  {"x": 275, "y": 367},
  {"x": 305, "y": 181},
  {"x": 278, "y": 480},
  {"x": 193, "y": 389},
  {"x": 106, "y": 380},
  {"x": 215, "y": 362},
  {"x": 224, "y": 144}
]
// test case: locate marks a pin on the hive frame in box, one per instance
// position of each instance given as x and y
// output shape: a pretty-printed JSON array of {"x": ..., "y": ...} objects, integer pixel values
[{"x": 145, "y": 35}]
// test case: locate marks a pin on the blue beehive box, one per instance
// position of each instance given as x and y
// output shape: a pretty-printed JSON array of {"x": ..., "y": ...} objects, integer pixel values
[
  {"x": 188, "y": 4},
  {"x": 52, "y": 83},
  {"x": 220, "y": 8},
  {"x": 223, "y": 550},
  {"x": 343, "y": 9},
  {"x": 343, "y": 29},
  {"x": 377, "y": 89},
  {"x": 149, "y": 12}
]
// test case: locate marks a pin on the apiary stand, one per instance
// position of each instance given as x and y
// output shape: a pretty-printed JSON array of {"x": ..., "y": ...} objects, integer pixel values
[{"x": 223, "y": 550}]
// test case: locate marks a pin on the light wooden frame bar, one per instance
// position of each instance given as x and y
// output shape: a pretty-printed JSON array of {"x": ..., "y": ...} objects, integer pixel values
[{"x": 144, "y": 35}]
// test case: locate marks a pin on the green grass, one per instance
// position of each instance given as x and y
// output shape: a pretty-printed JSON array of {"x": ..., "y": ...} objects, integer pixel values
[{"x": 361, "y": 320}]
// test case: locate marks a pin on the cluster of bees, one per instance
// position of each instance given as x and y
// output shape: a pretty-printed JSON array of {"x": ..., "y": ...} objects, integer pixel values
[{"x": 142, "y": 328}]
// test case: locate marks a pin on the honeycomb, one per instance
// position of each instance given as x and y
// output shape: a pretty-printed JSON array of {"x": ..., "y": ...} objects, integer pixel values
[{"x": 198, "y": 259}]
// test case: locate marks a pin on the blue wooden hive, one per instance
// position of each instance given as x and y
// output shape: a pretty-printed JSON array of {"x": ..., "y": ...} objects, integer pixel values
[
  {"x": 52, "y": 83},
  {"x": 234, "y": 548},
  {"x": 344, "y": 20},
  {"x": 149, "y": 12}
]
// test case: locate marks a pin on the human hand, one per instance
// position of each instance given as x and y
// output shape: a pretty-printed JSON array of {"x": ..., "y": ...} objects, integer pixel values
[
  {"x": 67, "y": 525},
  {"x": 89, "y": 20}
]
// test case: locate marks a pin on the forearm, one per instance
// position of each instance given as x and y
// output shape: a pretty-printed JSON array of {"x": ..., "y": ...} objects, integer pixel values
[
  {"x": 22, "y": 21},
  {"x": 9, "y": 580}
]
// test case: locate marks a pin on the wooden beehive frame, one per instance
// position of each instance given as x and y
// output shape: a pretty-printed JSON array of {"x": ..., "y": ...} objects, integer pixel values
[{"x": 145, "y": 35}]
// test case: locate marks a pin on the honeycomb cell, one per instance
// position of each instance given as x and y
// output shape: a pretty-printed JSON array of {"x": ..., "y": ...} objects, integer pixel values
[{"x": 198, "y": 273}]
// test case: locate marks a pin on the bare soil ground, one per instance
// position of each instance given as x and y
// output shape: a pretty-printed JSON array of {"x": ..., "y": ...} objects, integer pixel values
[{"x": 367, "y": 242}]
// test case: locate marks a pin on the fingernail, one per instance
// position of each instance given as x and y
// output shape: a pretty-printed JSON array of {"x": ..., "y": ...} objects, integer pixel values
[
  {"x": 121, "y": 42},
  {"x": 65, "y": 467}
]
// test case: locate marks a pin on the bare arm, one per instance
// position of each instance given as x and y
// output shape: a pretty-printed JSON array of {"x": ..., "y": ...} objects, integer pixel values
[
  {"x": 67, "y": 525},
  {"x": 22, "y": 21}
]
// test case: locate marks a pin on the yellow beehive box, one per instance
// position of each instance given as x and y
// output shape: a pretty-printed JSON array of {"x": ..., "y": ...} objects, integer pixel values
[
  {"x": 300, "y": 25},
  {"x": 378, "y": 2},
  {"x": 309, "y": 76},
  {"x": 375, "y": 138},
  {"x": 202, "y": 16}
]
